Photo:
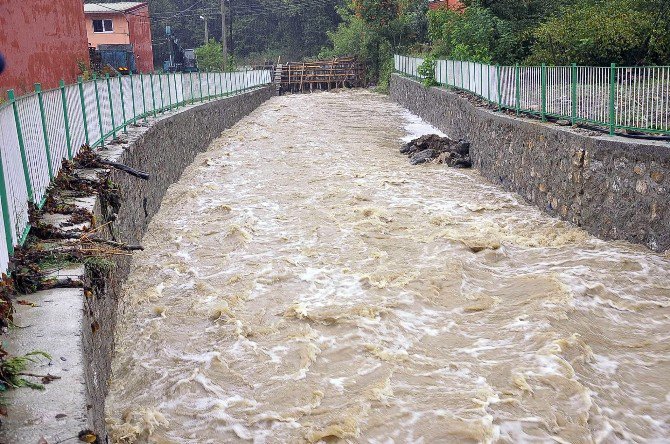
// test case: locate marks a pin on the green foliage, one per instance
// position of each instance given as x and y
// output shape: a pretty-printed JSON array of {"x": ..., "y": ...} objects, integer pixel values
[
  {"x": 602, "y": 32},
  {"x": 373, "y": 30},
  {"x": 210, "y": 56},
  {"x": 12, "y": 371},
  {"x": 427, "y": 71},
  {"x": 468, "y": 35}
]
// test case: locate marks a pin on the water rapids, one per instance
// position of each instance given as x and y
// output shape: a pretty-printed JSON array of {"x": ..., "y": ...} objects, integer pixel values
[{"x": 303, "y": 283}]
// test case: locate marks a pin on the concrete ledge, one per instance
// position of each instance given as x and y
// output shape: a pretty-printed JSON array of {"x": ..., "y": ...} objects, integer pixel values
[
  {"x": 77, "y": 329},
  {"x": 614, "y": 187}
]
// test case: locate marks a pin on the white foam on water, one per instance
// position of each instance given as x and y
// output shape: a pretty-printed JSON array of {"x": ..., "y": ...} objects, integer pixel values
[{"x": 415, "y": 127}]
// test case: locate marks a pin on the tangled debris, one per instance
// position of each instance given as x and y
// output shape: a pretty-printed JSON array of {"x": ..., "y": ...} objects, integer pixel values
[
  {"x": 63, "y": 232},
  {"x": 433, "y": 148},
  {"x": 50, "y": 246}
]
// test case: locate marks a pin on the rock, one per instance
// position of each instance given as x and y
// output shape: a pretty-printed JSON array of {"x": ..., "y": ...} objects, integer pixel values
[
  {"x": 422, "y": 157},
  {"x": 405, "y": 148},
  {"x": 431, "y": 146},
  {"x": 462, "y": 148},
  {"x": 563, "y": 122},
  {"x": 460, "y": 162}
]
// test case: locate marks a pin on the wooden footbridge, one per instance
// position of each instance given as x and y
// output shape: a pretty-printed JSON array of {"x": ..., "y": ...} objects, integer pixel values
[{"x": 344, "y": 72}]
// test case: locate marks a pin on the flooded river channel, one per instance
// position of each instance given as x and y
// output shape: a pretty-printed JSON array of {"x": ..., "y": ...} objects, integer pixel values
[{"x": 303, "y": 283}]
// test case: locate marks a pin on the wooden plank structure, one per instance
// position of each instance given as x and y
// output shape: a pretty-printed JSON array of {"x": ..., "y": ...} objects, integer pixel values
[{"x": 345, "y": 72}]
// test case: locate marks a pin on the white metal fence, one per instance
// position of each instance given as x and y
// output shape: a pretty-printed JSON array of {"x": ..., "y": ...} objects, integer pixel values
[
  {"x": 614, "y": 97},
  {"x": 39, "y": 130}
]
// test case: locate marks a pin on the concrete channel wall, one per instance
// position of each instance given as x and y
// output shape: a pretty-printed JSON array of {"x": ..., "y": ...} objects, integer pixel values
[
  {"x": 614, "y": 187},
  {"x": 76, "y": 326}
]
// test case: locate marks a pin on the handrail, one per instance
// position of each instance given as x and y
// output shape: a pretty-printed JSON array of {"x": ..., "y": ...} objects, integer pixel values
[
  {"x": 613, "y": 97},
  {"x": 41, "y": 128}
]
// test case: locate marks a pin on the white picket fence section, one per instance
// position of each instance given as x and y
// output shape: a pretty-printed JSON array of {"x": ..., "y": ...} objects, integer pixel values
[
  {"x": 39, "y": 130},
  {"x": 636, "y": 98}
]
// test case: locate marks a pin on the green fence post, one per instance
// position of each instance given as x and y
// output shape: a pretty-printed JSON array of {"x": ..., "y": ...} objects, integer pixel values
[
  {"x": 169, "y": 91},
  {"x": 22, "y": 147},
  {"x": 123, "y": 105},
  {"x": 438, "y": 66},
  {"x": 183, "y": 94},
  {"x": 132, "y": 97},
  {"x": 481, "y": 80},
  {"x": 543, "y": 93},
  {"x": 200, "y": 82},
  {"x": 153, "y": 93},
  {"x": 47, "y": 147},
  {"x": 612, "y": 98},
  {"x": 209, "y": 93},
  {"x": 190, "y": 84},
  {"x": 176, "y": 91},
  {"x": 488, "y": 82},
  {"x": 573, "y": 94},
  {"x": 83, "y": 108},
  {"x": 9, "y": 239},
  {"x": 160, "y": 88},
  {"x": 517, "y": 83},
  {"x": 111, "y": 105},
  {"x": 66, "y": 119},
  {"x": 499, "y": 88},
  {"x": 221, "y": 84},
  {"x": 97, "y": 101},
  {"x": 144, "y": 99}
]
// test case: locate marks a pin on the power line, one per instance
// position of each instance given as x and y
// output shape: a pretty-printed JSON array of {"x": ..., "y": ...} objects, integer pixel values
[{"x": 243, "y": 9}]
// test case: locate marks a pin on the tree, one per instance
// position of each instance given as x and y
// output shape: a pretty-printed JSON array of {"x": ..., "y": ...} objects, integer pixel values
[
  {"x": 600, "y": 33},
  {"x": 210, "y": 56},
  {"x": 373, "y": 30},
  {"x": 467, "y": 35}
]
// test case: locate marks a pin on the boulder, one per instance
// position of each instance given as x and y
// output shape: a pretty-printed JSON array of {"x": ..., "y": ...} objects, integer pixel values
[
  {"x": 422, "y": 157},
  {"x": 454, "y": 153}
]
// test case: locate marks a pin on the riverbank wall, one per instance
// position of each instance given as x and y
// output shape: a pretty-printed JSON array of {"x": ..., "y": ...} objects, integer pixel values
[
  {"x": 76, "y": 325},
  {"x": 613, "y": 187}
]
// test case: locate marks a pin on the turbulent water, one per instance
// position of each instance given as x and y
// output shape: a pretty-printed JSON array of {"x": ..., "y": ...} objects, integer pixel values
[{"x": 303, "y": 283}]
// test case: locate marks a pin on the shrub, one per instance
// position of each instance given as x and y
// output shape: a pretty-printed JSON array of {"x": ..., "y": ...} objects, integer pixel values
[{"x": 427, "y": 71}]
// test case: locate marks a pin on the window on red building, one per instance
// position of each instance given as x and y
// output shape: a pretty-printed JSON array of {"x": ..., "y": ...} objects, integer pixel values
[{"x": 102, "y": 26}]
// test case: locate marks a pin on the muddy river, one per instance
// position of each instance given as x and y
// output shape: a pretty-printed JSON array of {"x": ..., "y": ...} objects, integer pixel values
[{"x": 303, "y": 283}]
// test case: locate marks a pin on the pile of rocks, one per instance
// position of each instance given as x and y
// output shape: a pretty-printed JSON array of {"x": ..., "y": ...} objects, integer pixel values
[{"x": 431, "y": 147}]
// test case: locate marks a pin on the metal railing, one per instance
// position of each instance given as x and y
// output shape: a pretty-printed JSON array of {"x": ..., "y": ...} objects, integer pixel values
[
  {"x": 614, "y": 97},
  {"x": 39, "y": 130}
]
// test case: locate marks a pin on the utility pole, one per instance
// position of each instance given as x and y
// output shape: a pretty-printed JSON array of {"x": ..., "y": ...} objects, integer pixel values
[
  {"x": 224, "y": 34},
  {"x": 204, "y": 19}
]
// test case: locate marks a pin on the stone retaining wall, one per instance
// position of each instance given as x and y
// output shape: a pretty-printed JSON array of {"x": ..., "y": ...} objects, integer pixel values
[
  {"x": 79, "y": 323},
  {"x": 164, "y": 151},
  {"x": 614, "y": 187}
]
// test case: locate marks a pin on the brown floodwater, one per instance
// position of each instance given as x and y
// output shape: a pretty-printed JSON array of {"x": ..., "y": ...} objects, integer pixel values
[{"x": 303, "y": 283}]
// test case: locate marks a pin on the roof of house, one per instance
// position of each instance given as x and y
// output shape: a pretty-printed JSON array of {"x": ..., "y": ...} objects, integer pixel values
[{"x": 111, "y": 8}]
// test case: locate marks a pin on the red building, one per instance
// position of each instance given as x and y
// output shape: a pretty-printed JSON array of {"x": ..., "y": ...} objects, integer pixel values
[
  {"x": 42, "y": 41},
  {"x": 456, "y": 5},
  {"x": 122, "y": 23}
]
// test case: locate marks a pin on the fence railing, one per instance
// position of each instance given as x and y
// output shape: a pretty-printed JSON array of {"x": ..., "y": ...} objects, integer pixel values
[
  {"x": 632, "y": 98},
  {"x": 39, "y": 130}
]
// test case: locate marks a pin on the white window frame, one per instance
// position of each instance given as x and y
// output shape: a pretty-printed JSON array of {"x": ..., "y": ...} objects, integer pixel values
[{"x": 104, "y": 30}]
